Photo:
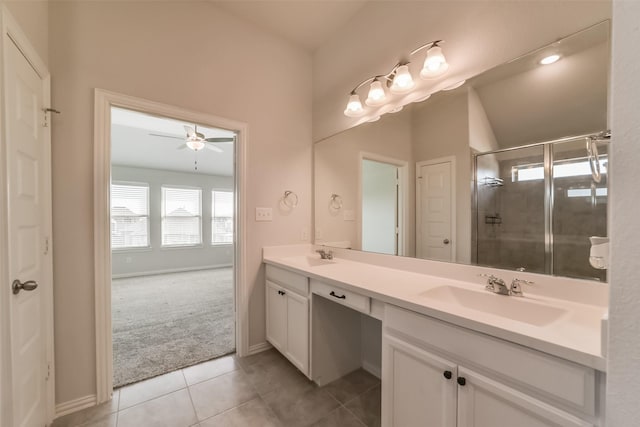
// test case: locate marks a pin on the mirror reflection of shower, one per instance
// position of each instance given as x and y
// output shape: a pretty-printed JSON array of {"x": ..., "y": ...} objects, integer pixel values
[{"x": 537, "y": 206}]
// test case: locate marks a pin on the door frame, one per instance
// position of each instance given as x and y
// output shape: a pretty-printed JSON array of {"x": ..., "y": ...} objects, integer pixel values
[
  {"x": 454, "y": 191},
  {"x": 104, "y": 100},
  {"x": 403, "y": 187},
  {"x": 12, "y": 33}
]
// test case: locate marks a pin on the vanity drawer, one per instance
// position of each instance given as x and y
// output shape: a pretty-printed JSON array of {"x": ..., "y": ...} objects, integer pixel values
[
  {"x": 334, "y": 293},
  {"x": 546, "y": 376},
  {"x": 288, "y": 279}
]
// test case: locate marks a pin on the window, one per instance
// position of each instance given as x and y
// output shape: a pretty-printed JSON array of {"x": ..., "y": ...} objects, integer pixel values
[
  {"x": 561, "y": 169},
  {"x": 181, "y": 216},
  {"x": 221, "y": 217},
  {"x": 129, "y": 216}
]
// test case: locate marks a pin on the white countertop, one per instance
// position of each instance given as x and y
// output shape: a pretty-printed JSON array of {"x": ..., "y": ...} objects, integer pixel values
[{"x": 575, "y": 336}]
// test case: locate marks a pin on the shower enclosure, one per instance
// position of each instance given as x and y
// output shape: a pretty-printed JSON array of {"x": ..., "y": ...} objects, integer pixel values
[{"x": 536, "y": 206}]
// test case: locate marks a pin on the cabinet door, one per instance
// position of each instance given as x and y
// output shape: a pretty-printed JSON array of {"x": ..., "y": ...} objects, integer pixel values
[
  {"x": 298, "y": 331},
  {"x": 483, "y": 402},
  {"x": 415, "y": 387},
  {"x": 276, "y": 316}
]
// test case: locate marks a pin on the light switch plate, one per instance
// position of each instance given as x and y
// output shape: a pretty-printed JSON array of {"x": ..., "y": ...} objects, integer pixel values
[
  {"x": 349, "y": 215},
  {"x": 264, "y": 214}
]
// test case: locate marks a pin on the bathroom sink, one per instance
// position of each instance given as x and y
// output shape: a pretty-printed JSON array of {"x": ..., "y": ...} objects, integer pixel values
[
  {"x": 309, "y": 260},
  {"x": 514, "y": 308}
]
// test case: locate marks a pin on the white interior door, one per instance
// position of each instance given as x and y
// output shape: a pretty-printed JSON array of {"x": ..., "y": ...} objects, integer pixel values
[
  {"x": 28, "y": 219},
  {"x": 434, "y": 212}
]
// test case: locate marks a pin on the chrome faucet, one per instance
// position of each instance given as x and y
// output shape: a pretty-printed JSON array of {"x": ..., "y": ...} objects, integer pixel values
[
  {"x": 325, "y": 254},
  {"x": 496, "y": 285},
  {"x": 516, "y": 287}
]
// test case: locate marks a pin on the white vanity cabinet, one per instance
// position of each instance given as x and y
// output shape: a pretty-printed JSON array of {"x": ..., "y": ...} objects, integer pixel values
[
  {"x": 440, "y": 375},
  {"x": 287, "y": 305}
]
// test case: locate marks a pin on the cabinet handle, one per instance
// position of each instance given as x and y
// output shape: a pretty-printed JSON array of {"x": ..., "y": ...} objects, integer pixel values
[
  {"x": 447, "y": 375},
  {"x": 462, "y": 381},
  {"x": 333, "y": 294},
  {"x": 281, "y": 292}
]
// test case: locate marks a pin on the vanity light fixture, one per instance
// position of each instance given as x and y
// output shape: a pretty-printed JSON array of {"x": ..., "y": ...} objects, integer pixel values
[
  {"x": 354, "y": 106},
  {"x": 435, "y": 63},
  {"x": 398, "y": 80},
  {"x": 402, "y": 81},
  {"x": 376, "y": 95},
  {"x": 548, "y": 60}
]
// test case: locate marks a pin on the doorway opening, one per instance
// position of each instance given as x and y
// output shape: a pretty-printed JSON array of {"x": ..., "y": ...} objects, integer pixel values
[
  {"x": 172, "y": 216},
  {"x": 383, "y": 183}
]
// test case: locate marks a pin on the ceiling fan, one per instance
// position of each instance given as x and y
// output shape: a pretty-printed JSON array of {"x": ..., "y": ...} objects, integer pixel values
[{"x": 196, "y": 141}]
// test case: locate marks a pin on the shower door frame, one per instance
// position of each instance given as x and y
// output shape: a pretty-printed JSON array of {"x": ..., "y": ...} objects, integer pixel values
[{"x": 547, "y": 147}]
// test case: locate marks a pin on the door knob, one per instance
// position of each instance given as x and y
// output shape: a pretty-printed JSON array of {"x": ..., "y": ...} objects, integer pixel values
[
  {"x": 17, "y": 286},
  {"x": 445, "y": 241}
]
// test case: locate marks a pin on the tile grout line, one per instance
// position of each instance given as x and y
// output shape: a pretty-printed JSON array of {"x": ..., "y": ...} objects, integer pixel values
[{"x": 193, "y": 406}]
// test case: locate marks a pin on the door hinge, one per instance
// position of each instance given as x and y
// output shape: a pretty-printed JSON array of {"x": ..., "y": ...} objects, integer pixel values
[
  {"x": 46, "y": 245},
  {"x": 48, "y": 372},
  {"x": 46, "y": 115}
]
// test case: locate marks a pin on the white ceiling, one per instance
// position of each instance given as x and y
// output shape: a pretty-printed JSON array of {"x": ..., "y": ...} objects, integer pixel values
[
  {"x": 132, "y": 145},
  {"x": 307, "y": 23}
]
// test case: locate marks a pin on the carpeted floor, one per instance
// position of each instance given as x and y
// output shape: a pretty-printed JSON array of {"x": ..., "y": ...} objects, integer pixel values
[{"x": 169, "y": 321}]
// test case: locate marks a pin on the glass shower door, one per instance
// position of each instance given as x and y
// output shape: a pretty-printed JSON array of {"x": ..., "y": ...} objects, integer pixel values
[
  {"x": 579, "y": 209},
  {"x": 510, "y": 191}
]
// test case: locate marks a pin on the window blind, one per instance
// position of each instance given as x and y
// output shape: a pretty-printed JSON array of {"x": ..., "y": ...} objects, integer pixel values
[
  {"x": 129, "y": 216},
  {"x": 181, "y": 216},
  {"x": 221, "y": 217}
]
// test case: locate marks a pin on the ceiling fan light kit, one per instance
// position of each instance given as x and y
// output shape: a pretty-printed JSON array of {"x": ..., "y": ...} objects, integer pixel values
[{"x": 398, "y": 80}]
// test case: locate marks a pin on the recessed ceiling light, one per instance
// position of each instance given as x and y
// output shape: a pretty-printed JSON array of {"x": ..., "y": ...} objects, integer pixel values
[{"x": 549, "y": 59}]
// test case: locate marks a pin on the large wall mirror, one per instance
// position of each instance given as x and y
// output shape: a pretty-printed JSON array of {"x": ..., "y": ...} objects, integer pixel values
[{"x": 496, "y": 172}]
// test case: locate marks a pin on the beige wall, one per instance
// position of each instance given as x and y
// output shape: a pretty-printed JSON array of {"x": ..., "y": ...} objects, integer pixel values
[
  {"x": 33, "y": 18},
  {"x": 188, "y": 54},
  {"x": 479, "y": 35}
]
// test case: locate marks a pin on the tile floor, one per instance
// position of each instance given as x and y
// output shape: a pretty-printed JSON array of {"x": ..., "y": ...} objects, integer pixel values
[{"x": 262, "y": 390}]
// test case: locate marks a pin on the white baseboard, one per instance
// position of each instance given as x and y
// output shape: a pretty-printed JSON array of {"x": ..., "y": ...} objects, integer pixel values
[
  {"x": 259, "y": 348},
  {"x": 372, "y": 369},
  {"x": 75, "y": 405},
  {"x": 171, "y": 270}
]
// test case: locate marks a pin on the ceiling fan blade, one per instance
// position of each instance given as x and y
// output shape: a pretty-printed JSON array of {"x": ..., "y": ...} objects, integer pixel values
[
  {"x": 220, "y": 139},
  {"x": 166, "y": 136},
  {"x": 214, "y": 148},
  {"x": 182, "y": 147}
]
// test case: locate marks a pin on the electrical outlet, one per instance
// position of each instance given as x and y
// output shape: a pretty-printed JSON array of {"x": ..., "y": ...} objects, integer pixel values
[
  {"x": 264, "y": 214},
  {"x": 128, "y": 260},
  {"x": 304, "y": 235},
  {"x": 318, "y": 233}
]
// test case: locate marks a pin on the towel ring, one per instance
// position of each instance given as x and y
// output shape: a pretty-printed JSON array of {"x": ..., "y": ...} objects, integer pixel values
[
  {"x": 335, "y": 202},
  {"x": 290, "y": 199}
]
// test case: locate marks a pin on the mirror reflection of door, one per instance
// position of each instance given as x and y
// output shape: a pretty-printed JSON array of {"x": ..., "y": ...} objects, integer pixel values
[
  {"x": 434, "y": 210},
  {"x": 379, "y": 207}
]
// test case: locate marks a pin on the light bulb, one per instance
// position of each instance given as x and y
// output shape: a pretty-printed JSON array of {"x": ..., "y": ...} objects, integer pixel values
[
  {"x": 435, "y": 64},
  {"x": 376, "y": 94},
  {"x": 549, "y": 59},
  {"x": 354, "y": 106},
  {"x": 402, "y": 80},
  {"x": 195, "y": 145}
]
